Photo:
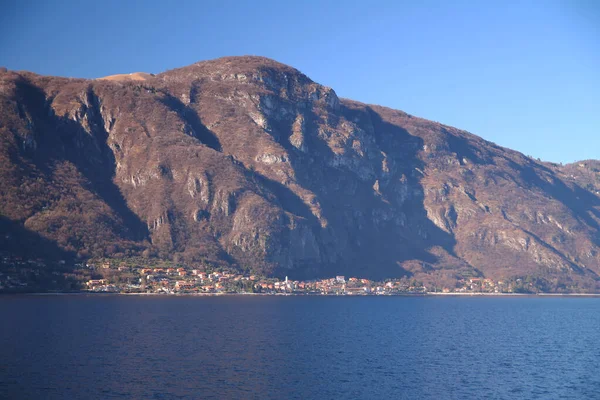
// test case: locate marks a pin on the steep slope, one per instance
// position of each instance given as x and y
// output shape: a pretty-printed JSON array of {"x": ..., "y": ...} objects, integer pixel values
[{"x": 247, "y": 162}]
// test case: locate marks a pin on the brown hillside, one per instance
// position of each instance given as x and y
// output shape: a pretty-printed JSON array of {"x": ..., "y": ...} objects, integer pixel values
[{"x": 246, "y": 161}]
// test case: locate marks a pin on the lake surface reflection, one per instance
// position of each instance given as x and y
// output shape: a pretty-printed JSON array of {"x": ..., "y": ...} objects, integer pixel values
[{"x": 149, "y": 347}]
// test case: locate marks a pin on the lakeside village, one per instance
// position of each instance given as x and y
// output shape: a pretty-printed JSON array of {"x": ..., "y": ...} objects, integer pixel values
[{"x": 109, "y": 276}]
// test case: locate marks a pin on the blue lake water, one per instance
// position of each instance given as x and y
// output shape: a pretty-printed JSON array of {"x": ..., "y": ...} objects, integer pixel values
[{"x": 149, "y": 347}]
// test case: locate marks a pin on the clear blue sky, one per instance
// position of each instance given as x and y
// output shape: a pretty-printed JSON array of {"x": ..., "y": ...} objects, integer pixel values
[{"x": 523, "y": 74}]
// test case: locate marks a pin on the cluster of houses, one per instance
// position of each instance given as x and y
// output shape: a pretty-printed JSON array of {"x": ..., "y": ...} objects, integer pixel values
[
  {"x": 113, "y": 277},
  {"x": 181, "y": 280}
]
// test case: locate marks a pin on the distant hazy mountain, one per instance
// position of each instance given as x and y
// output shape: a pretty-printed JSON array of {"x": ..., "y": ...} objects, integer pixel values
[{"x": 245, "y": 161}]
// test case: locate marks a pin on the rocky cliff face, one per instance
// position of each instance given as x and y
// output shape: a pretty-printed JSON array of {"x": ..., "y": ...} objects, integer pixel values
[{"x": 248, "y": 162}]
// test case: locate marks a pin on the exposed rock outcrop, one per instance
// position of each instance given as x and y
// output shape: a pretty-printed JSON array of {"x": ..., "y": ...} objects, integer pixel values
[{"x": 248, "y": 162}]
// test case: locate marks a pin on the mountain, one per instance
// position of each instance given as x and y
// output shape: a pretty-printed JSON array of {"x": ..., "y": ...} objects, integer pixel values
[{"x": 247, "y": 162}]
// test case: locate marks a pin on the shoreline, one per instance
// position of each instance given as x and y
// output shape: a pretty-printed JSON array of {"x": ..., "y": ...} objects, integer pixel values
[
  {"x": 516, "y": 294},
  {"x": 427, "y": 294}
]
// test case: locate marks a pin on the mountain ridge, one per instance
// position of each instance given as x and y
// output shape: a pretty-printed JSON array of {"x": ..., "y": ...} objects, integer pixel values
[{"x": 245, "y": 161}]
